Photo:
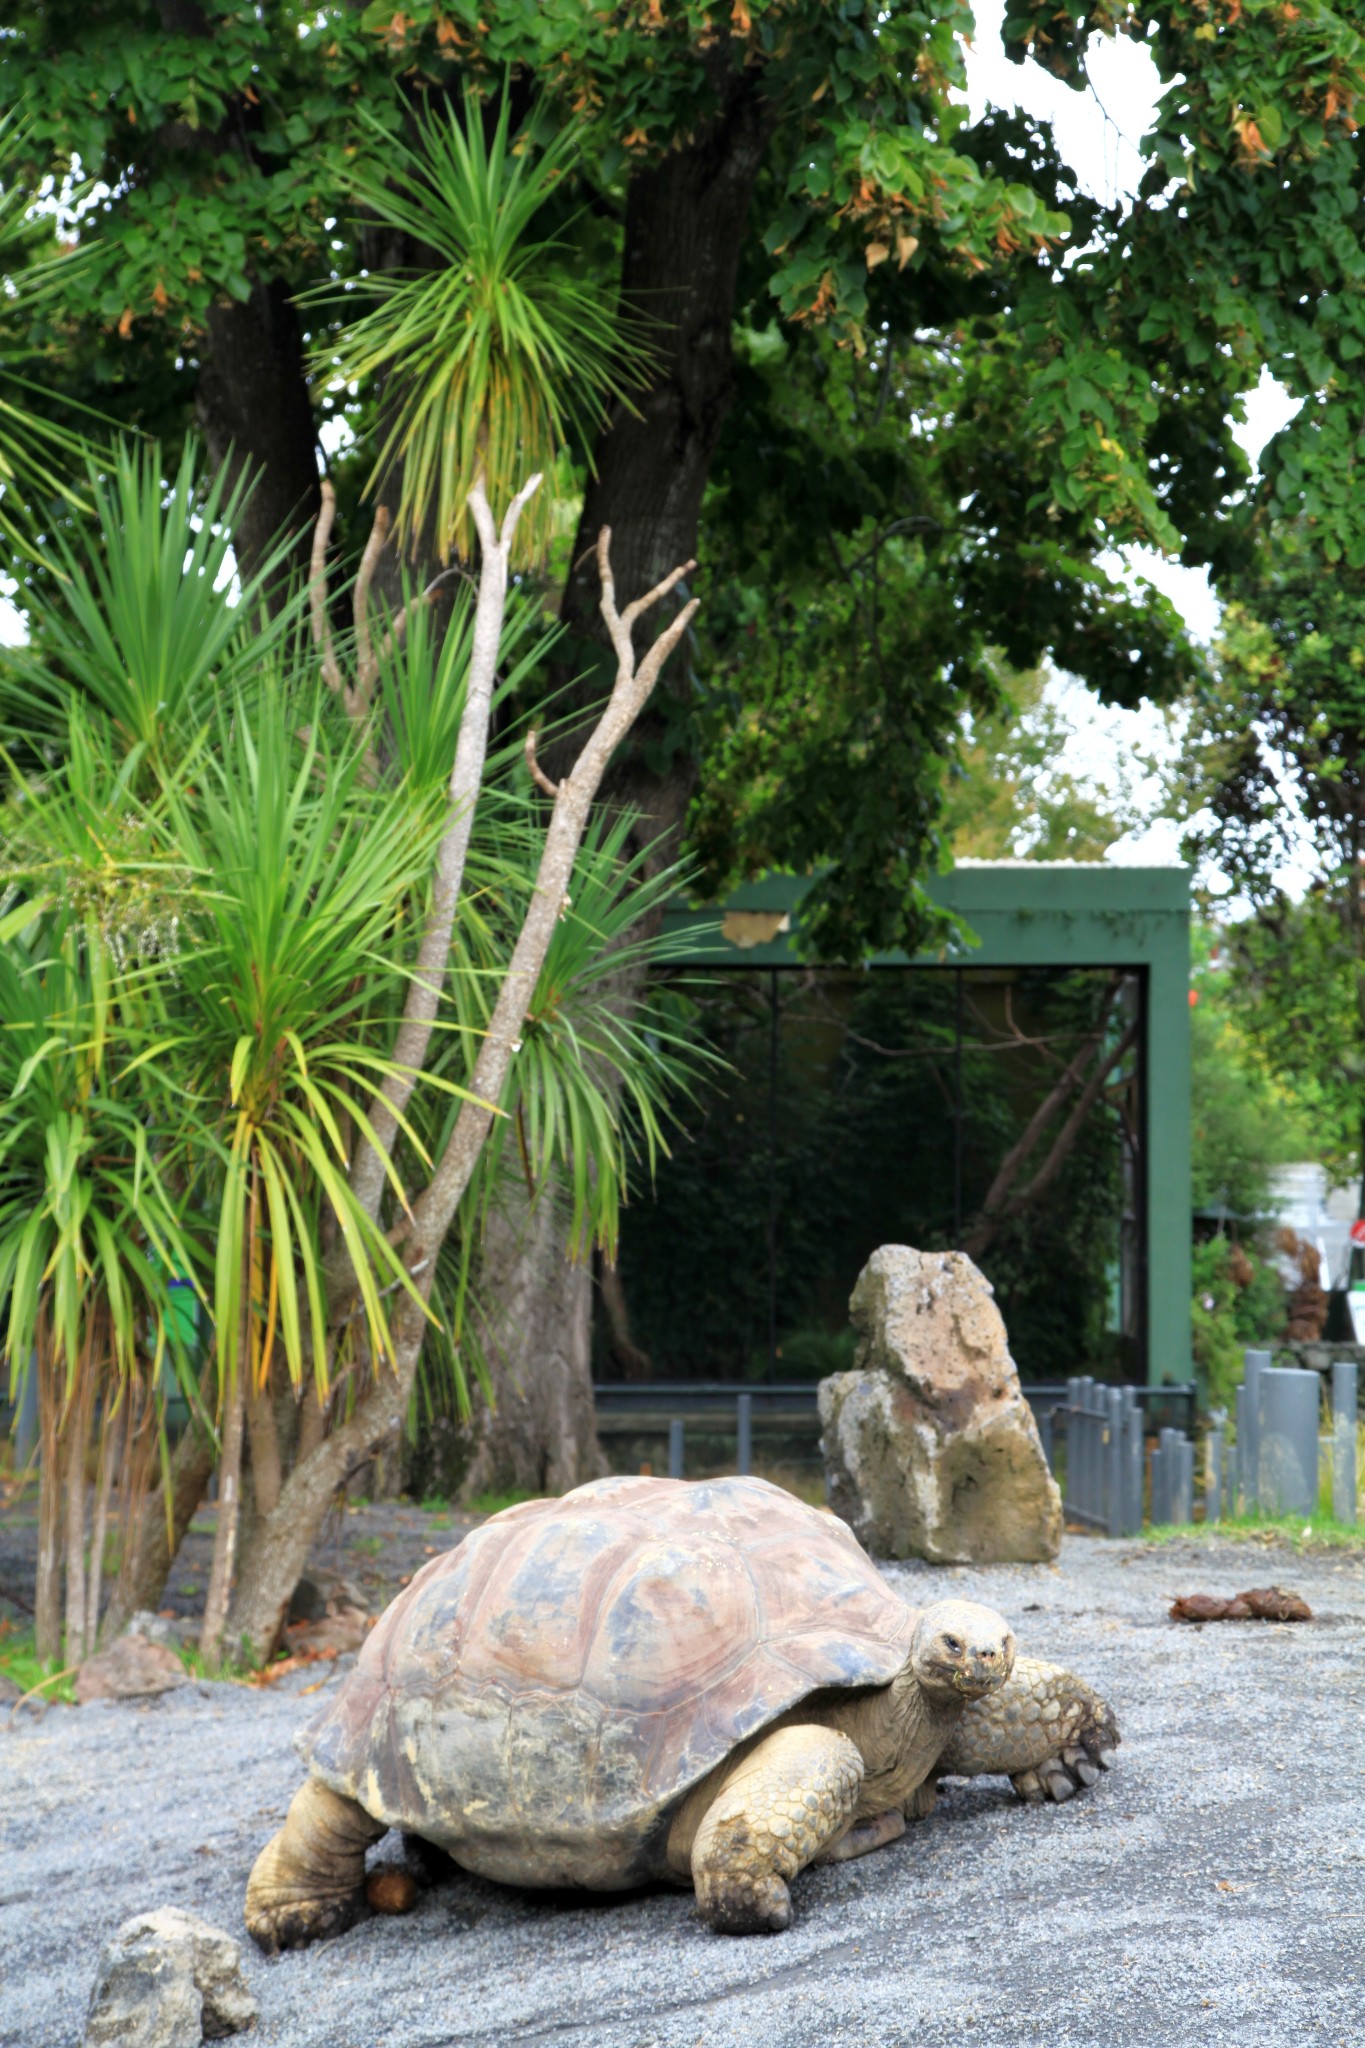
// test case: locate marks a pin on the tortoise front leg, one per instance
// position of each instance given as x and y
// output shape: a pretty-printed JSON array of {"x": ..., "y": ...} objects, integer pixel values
[
  {"x": 791, "y": 1796},
  {"x": 1044, "y": 1729},
  {"x": 864, "y": 1836},
  {"x": 309, "y": 1879}
]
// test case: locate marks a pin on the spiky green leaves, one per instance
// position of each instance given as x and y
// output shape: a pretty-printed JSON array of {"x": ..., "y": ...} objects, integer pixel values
[
  {"x": 89, "y": 1226},
  {"x": 493, "y": 358}
]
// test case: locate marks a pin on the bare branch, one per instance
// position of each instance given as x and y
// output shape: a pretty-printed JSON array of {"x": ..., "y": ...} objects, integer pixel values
[
  {"x": 367, "y": 663},
  {"x": 369, "y": 1171},
  {"x": 538, "y": 775},
  {"x": 518, "y": 505},
  {"x": 1008, "y": 1170},
  {"x": 997, "y": 1210},
  {"x": 434, "y": 1209},
  {"x": 394, "y": 637},
  {"x": 317, "y": 589}
]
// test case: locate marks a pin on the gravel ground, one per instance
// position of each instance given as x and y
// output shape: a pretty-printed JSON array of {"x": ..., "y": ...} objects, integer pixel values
[{"x": 1211, "y": 1890}]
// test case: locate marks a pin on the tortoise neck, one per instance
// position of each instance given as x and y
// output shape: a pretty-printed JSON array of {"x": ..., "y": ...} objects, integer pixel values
[{"x": 901, "y": 1731}]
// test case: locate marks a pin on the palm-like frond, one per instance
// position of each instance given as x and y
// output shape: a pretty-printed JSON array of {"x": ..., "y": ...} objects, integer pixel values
[
  {"x": 87, "y": 1218},
  {"x": 494, "y": 357},
  {"x": 38, "y": 458},
  {"x": 307, "y": 880},
  {"x": 147, "y": 624}
]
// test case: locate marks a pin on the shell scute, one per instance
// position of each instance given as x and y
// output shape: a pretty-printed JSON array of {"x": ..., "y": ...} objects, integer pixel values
[{"x": 674, "y": 1626}]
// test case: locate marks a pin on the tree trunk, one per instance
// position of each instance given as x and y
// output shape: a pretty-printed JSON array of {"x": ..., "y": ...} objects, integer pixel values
[
  {"x": 256, "y": 414},
  {"x": 74, "y": 1484},
  {"x": 541, "y": 1437},
  {"x": 147, "y": 1558},
  {"x": 225, "y": 1535},
  {"x": 108, "y": 1456},
  {"x": 267, "y": 1471},
  {"x": 686, "y": 221},
  {"x": 47, "y": 1599},
  {"x": 275, "y": 1564},
  {"x": 634, "y": 1363}
]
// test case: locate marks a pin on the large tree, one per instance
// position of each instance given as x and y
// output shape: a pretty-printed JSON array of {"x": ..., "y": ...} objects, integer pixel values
[
  {"x": 908, "y": 383},
  {"x": 1274, "y": 773}
]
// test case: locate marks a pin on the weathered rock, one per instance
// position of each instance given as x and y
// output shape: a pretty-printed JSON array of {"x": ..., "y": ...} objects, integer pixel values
[
  {"x": 130, "y": 1669},
  {"x": 320, "y": 1592},
  {"x": 341, "y": 1632},
  {"x": 930, "y": 1448},
  {"x": 168, "y": 1980},
  {"x": 172, "y": 1630}
]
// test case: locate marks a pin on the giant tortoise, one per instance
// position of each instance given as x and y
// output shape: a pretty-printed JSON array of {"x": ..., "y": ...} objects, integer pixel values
[{"x": 706, "y": 1682}]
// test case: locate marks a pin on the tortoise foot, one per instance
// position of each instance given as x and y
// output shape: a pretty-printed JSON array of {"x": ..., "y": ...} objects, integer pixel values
[
  {"x": 792, "y": 1796},
  {"x": 1070, "y": 1771},
  {"x": 309, "y": 1880},
  {"x": 294, "y": 1923},
  {"x": 740, "y": 1904}
]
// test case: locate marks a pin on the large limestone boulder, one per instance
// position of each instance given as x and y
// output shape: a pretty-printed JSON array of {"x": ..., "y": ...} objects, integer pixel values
[{"x": 930, "y": 1448}]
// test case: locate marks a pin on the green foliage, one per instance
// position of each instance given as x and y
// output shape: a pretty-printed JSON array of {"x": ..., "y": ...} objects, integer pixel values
[
  {"x": 1275, "y": 768},
  {"x": 1239, "y": 1300},
  {"x": 1296, "y": 992},
  {"x": 1243, "y": 1123},
  {"x": 89, "y": 1228},
  {"x": 306, "y": 878},
  {"x": 143, "y": 626},
  {"x": 494, "y": 1503},
  {"x": 848, "y": 637},
  {"x": 252, "y": 865},
  {"x": 22, "y": 1666},
  {"x": 498, "y": 352},
  {"x": 960, "y": 379},
  {"x": 37, "y": 454}
]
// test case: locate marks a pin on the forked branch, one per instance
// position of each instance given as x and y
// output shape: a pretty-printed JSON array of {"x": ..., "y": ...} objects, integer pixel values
[
  {"x": 369, "y": 658},
  {"x": 379, "y": 1412},
  {"x": 424, "y": 990},
  {"x": 635, "y": 680}
]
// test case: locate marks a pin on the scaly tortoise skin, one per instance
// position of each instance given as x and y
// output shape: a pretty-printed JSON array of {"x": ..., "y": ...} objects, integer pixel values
[{"x": 563, "y": 1699}]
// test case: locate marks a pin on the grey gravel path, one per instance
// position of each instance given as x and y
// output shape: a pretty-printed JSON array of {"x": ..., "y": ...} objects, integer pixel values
[{"x": 1212, "y": 1890}]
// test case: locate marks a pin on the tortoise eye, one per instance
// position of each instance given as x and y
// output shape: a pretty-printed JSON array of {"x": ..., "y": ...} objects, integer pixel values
[{"x": 952, "y": 1643}]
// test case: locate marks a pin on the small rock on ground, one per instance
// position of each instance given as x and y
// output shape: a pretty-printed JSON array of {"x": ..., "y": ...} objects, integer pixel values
[
  {"x": 129, "y": 1669},
  {"x": 168, "y": 1980}
]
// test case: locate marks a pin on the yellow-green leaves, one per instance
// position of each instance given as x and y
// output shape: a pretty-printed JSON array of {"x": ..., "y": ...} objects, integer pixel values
[{"x": 499, "y": 350}]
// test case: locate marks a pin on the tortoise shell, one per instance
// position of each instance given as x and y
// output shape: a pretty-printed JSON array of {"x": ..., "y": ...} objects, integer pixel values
[{"x": 538, "y": 1700}]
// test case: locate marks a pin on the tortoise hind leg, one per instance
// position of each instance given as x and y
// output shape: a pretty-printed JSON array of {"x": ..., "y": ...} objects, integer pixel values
[
  {"x": 308, "y": 1881},
  {"x": 790, "y": 1797},
  {"x": 1044, "y": 1729}
]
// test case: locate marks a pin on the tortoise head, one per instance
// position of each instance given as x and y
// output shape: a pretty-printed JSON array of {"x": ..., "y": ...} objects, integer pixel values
[{"x": 961, "y": 1651}]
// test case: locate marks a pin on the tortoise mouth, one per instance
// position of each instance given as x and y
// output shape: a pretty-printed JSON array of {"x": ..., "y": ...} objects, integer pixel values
[
  {"x": 967, "y": 1684},
  {"x": 975, "y": 1688}
]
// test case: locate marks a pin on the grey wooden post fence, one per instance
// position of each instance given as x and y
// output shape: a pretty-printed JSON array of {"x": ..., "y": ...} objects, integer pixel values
[{"x": 1345, "y": 1421}]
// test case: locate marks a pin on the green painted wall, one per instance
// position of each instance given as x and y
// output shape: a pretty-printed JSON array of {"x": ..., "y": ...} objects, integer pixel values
[{"x": 1046, "y": 914}]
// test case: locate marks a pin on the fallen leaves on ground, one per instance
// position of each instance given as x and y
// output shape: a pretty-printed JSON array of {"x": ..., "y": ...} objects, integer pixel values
[{"x": 281, "y": 1668}]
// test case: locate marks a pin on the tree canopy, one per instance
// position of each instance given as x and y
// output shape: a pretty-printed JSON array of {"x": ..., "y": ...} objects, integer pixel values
[{"x": 916, "y": 378}]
